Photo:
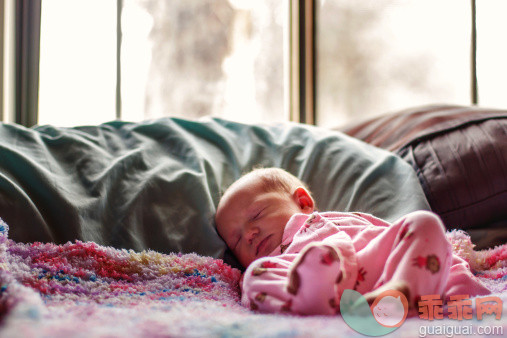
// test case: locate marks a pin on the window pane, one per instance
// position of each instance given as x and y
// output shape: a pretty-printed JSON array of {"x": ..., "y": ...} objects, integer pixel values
[
  {"x": 202, "y": 57},
  {"x": 378, "y": 56},
  {"x": 492, "y": 53},
  {"x": 77, "y": 62}
]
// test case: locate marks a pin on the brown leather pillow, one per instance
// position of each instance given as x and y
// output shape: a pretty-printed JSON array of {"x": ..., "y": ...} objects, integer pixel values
[{"x": 460, "y": 157}]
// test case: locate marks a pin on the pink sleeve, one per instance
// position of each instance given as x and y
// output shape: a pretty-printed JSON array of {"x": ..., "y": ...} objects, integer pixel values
[
  {"x": 310, "y": 282},
  {"x": 264, "y": 285}
]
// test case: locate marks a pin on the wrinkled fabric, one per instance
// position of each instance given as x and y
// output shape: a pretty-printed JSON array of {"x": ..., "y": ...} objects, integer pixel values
[{"x": 155, "y": 184}]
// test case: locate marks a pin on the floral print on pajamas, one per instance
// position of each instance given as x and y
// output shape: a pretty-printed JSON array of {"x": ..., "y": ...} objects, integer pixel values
[{"x": 322, "y": 254}]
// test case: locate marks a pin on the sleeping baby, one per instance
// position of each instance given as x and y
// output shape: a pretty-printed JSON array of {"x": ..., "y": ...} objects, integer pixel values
[{"x": 299, "y": 260}]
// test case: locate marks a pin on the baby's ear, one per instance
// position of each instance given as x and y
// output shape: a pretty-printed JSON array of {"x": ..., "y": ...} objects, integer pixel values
[{"x": 304, "y": 200}]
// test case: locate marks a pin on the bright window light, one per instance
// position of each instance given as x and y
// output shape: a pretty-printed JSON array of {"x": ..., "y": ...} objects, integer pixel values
[{"x": 77, "y": 62}]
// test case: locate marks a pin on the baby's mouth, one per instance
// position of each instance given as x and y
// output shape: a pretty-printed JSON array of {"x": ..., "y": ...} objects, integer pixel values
[{"x": 262, "y": 245}]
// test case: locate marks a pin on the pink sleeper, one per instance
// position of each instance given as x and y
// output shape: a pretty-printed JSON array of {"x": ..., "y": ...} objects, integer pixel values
[{"x": 322, "y": 254}]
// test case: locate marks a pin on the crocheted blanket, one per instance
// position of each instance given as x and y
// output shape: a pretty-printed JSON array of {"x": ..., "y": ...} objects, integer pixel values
[{"x": 87, "y": 290}]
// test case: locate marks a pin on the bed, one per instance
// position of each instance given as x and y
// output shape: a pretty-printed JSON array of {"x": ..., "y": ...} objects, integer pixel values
[{"x": 108, "y": 230}]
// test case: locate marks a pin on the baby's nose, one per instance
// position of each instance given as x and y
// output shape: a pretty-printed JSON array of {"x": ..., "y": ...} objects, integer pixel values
[{"x": 251, "y": 234}]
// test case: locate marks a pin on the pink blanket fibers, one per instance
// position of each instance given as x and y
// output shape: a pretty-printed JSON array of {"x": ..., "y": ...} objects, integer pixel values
[{"x": 86, "y": 290}]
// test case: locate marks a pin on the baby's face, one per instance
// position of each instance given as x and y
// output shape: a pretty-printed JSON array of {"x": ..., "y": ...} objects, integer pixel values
[{"x": 252, "y": 221}]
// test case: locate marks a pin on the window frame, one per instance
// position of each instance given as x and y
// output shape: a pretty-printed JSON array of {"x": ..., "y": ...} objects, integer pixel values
[
  {"x": 7, "y": 62},
  {"x": 302, "y": 62}
]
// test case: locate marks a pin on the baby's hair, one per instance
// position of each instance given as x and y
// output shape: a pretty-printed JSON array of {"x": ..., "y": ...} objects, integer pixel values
[
  {"x": 277, "y": 179},
  {"x": 273, "y": 180}
]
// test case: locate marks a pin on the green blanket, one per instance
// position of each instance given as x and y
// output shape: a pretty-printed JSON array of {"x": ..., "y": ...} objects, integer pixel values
[{"x": 155, "y": 184}]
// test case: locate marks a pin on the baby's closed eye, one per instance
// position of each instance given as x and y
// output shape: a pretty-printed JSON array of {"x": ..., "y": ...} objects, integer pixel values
[{"x": 258, "y": 214}]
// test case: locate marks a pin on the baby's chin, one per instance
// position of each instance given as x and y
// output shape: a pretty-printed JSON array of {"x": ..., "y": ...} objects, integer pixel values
[
  {"x": 272, "y": 248},
  {"x": 275, "y": 245}
]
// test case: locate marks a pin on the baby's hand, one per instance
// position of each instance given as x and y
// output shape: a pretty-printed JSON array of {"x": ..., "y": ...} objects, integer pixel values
[{"x": 313, "y": 276}]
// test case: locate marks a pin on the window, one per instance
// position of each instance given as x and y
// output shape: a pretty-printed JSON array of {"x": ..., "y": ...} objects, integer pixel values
[
  {"x": 195, "y": 58},
  {"x": 179, "y": 58},
  {"x": 491, "y": 52},
  {"x": 77, "y": 62},
  {"x": 232, "y": 58},
  {"x": 384, "y": 55}
]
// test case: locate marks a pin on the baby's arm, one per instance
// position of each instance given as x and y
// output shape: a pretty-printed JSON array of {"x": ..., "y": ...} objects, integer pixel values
[
  {"x": 264, "y": 285},
  {"x": 307, "y": 283}
]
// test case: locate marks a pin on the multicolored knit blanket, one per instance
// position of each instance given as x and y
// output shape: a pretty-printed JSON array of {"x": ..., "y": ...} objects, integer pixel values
[{"x": 87, "y": 290}]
